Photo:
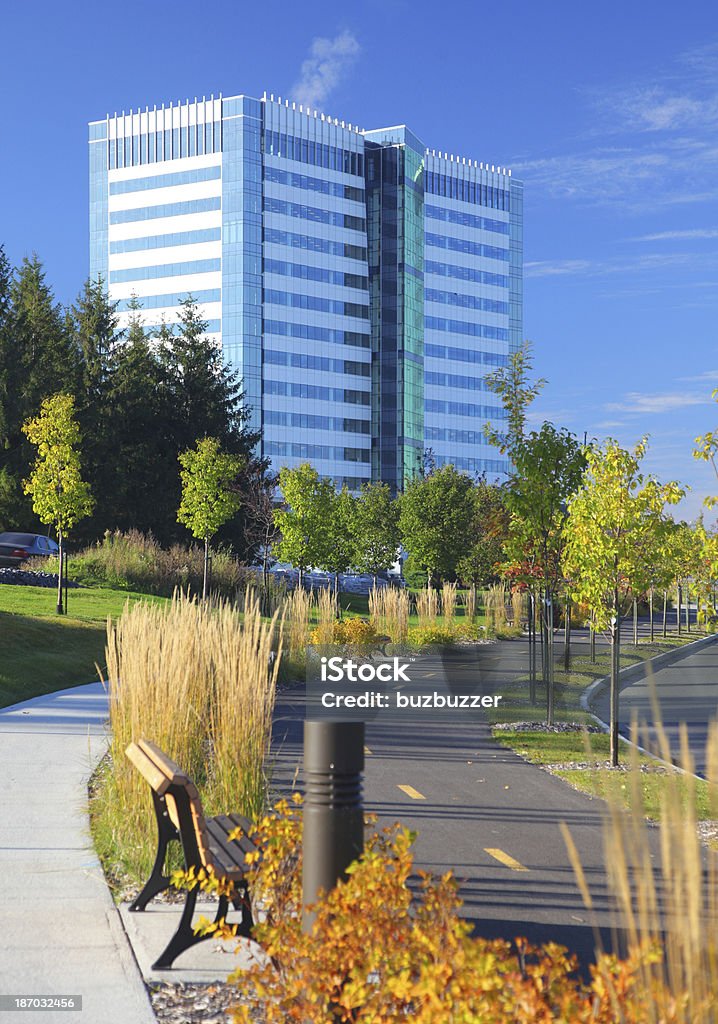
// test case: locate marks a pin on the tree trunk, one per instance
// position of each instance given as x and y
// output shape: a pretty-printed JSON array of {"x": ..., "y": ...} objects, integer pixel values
[
  {"x": 300, "y": 578},
  {"x": 567, "y": 635},
  {"x": 678, "y": 607},
  {"x": 60, "y": 558},
  {"x": 635, "y": 622},
  {"x": 592, "y": 641},
  {"x": 688, "y": 607},
  {"x": 549, "y": 659},
  {"x": 205, "y": 568},
  {"x": 650, "y": 607},
  {"x": 665, "y": 613},
  {"x": 532, "y": 647},
  {"x": 615, "y": 667}
]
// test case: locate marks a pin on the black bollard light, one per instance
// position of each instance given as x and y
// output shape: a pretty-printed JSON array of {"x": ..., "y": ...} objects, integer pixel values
[{"x": 333, "y": 831}]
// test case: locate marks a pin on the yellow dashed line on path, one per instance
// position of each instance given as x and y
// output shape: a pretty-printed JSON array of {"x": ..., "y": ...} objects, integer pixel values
[
  {"x": 504, "y": 858},
  {"x": 413, "y": 793}
]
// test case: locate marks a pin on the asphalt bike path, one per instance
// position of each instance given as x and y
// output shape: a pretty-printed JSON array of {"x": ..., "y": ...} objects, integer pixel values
[
  {"x": 479, "y": 810},
  {"x": 687, "y": 692}
]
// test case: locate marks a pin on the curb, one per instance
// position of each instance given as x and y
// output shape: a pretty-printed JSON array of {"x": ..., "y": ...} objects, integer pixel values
[{"x": 639, "y": 671}]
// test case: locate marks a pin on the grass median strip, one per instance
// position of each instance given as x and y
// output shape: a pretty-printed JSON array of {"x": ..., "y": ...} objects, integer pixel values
[{"x": 582, "y": 759}]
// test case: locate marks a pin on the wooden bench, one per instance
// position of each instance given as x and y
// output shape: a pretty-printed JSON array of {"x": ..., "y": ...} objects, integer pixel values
[{"x": 205, "y": 844}]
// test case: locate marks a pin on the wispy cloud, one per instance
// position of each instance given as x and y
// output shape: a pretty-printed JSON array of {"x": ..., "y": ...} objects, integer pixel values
[
  {"x": 678, "y": 235},
  {"x": 623, "y": 265},
  {"x": 644, "y": 135},
  {"x": 328, "y": 62},
  {"x": 706, "y": 377},
  {"x": 635, "y": 402}
]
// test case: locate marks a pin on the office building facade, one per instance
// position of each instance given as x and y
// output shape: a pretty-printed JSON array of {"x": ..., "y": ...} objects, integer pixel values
[{"x": 361, "y": 285}]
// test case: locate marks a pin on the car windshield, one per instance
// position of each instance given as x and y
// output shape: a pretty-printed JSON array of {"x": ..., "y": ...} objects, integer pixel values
[{"x": 17, "y": 538}]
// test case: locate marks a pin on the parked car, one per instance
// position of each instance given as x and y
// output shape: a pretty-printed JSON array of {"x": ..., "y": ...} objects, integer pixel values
[{"x": 18, "y": 547}]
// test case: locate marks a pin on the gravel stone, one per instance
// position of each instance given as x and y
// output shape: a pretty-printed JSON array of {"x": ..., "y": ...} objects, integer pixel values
[{"x": 27, "y": 578}]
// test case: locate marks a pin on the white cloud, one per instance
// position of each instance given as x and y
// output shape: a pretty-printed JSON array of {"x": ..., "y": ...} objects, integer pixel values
[
  {"x": 677, "y": 235},
  {"x": 650, "y": 261},
  {"x": 650, "y": 140},
  {"x": 328, "y": 62},
  {"x": 635, "y": 402},
  {"x": 707, "y": 376}
]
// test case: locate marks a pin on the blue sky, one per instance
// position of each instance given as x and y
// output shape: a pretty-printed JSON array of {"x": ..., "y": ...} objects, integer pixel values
[{"x": 609, "y": 113}]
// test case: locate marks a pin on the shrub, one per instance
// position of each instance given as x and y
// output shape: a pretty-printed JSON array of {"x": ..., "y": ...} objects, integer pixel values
[
  {"x": 421, "y": 636},
  {"x": 133, "y": 561},
  {"x": 376, "y": 953},
  {"x": 350, "y": 632}
]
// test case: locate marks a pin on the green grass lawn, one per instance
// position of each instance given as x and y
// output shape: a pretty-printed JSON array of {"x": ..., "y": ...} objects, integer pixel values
[
  {"x": 41, "y": 651},
  {"x": 557, "y": 749}
]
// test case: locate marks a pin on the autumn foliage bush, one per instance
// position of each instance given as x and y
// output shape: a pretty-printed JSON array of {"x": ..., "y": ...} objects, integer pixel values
[{"x": 384, "y": 950}]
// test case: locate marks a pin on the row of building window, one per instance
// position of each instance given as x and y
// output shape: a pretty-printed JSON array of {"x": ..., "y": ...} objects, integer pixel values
[
  {"x": 464, "y": 245},
  {"x": 465, "y": 273},
  {"x": 440, "y": 184},
  {"x": 314, "y": 214},
  {"x": 303, "y": 361},
  {"x": 323, "y": 274},
  {"x": 291, "y": 389},
  {"x": 305, "y": 421},
  {"x": 455, "y": 380},
  {"x": 439, "y": 323},
  {"x": 457, "y": 436},
  {"x": 310, "y": 184},
  {"x": 320, "y": 154},
  {"x": 171, "y": 144},
  {"x": 164, "y": 241},
  {"x": 312, "y": 244},
  {"x": 474, "y": 465},
  {"x": 316, "y": 451},
  {"x": 166, "y": 210},
  {"x": 468, "y": 220},
  {"x": 465, "y": 355},
  {"x": 465, "y": 301},
  {"x": 485, "y": 412},
  {"x": 172, "y": 299},
  {"x": 213, "y": 327},
  {"x": 119, "y": 188},
  {"x": 165, "y": 270},
  {"x": 301, "y": 301},
  {"x": 312, "y": 333}
]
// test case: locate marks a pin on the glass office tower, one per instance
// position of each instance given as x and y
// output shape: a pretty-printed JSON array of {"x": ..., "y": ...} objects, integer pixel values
[{"x": 361, "y": 285}]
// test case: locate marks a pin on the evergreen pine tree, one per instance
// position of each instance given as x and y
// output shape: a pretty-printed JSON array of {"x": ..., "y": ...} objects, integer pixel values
[{"x": 41, "y": 359}]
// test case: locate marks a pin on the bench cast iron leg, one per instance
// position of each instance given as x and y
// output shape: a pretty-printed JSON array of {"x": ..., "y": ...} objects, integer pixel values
[
  {"x": 185, "y": 937},
  {"x": 166, "y": 833}
]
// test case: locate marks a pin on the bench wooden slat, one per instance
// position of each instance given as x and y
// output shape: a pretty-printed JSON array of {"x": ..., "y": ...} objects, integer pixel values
[
  {"x": 165, "y": 764},
  {"x": 147, "y": 768},
  {"x": 228, "y": 854},
  {"x": 232, "y": 821}
]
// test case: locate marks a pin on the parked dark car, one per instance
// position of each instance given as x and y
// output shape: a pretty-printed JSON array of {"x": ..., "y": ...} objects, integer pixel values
[{"x": 18, "y": 547}]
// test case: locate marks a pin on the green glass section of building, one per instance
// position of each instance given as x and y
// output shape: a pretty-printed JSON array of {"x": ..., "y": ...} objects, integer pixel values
[{"x": 395, "y": 223}]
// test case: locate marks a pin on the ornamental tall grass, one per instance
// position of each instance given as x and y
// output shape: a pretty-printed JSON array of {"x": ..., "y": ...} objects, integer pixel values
[
  {"x": 197, "y": 680},
  {"x": 448, "y": 602},
  {"x": 389, "y": 613},
  {"x": 427, "y": 606},
  {"x": 495, "y": 603},
  {"x": 469, "y": 602}
]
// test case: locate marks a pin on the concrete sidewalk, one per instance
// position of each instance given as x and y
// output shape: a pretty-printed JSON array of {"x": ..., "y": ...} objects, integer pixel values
[{"x": 60, "y": 932}]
